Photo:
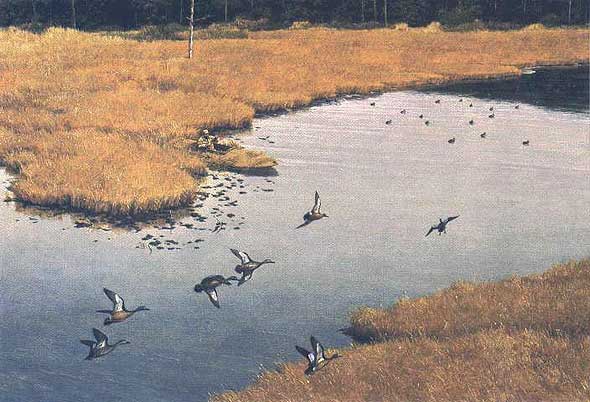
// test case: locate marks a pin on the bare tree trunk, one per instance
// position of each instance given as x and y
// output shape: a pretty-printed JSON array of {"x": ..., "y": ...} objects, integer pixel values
[
  {"x": 569, "y": 13},
  {"x": 375, "y": 11},
  {"x": 385, "y": 13},
  {"x": 225, "y": 14},
  {"x": 74, "y": 14},
  {"x": 191, "y": 29},
  {"x": 363, "y": 11}
]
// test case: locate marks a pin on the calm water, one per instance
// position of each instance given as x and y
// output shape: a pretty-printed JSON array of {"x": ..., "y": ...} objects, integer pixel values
[{"x": 522, "y": 209}]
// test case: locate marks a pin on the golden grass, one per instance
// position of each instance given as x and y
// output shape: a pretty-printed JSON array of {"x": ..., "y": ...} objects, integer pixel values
[
  {"x": 63, "y": 85},
  {"x": 536, "y": 357},
  {"x": 553, "y": 301}
]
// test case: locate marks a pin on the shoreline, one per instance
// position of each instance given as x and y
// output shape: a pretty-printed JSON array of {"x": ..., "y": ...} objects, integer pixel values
[
  {"x": 467, "y": 326},
  {"x": 78, "y": 122}
]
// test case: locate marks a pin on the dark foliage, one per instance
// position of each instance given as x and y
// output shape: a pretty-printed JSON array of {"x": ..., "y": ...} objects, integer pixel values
[{"x": 101, "y": 14}]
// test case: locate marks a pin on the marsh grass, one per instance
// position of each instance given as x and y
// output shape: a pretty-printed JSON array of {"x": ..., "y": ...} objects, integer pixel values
[
  {"x": 62, "y": 91},
  {"x": 522, "y": 339}
]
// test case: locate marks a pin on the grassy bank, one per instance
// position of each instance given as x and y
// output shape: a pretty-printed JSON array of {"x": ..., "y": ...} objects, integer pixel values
[
  {"x": 522, "y": 339},
  {"x": 107, "y": 124}
]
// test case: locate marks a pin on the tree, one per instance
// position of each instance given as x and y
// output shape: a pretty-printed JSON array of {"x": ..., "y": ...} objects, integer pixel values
[
  {"x": 191, "y": 29},
  {"x": 385, "y": 12}
]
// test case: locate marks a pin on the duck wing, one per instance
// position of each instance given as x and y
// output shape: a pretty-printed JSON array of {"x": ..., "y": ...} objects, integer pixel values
[
  {"x": 245, "y": 258},
  {"x": 213, "y": 297},
  {"x": 101, "y": 338},
  {"x": 87, "y": 343},
  {"x": 118, "y": 302},
  {"x": 451, "y": 218},
  {"x": 317, "y": 205},
  {"x": 306, "y": 353},
  {"x": 318, "y": 349},
  {"x": 432, "y": 228}
]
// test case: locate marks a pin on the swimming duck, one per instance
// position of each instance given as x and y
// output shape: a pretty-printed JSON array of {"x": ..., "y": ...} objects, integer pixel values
[
  {"x": 372, "y": 103},
  {"x": 437, "y": 101},
  {"x": 526, "y": 143},
  {"x": 483, "y": 135},
  {"x": 492, "y": 116},
  {"x": 471, "y": 105},
  {"x": 209, "y": 285},
  {"x": 247, "y": 266},
  {"x": 403, "y": 111},
  {"x": 491, "y": 108},
  {"x": 471, "y": 122},
  {"x": 442, "y": 225},
  {"x": 101, "y": 347},
  {"x": 460, "y": 99},
  {"x": 388, "y": 122},
  {"x": 315, "y": 213},
  {"x": 317, "y": 359},
  {"x": 517, "y": 107},
  {"x": 119, "y": 313},
  {"x": 451, "y": 141},
  {"x": 421, "y": 116},
  {"x": 427, "y": 122}
]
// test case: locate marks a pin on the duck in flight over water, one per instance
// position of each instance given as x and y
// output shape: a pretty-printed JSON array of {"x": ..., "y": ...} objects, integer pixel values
[
  {"x": 209, "y": 285},
  {"x": 316, "y": 360},
  {"x": 315, "y": 213},
  {"x": 101, "y": 347},
  {"x": 119, "y": 313},
  {"x": 442, "y": 225},
  {"x": 247, "y": 266}
]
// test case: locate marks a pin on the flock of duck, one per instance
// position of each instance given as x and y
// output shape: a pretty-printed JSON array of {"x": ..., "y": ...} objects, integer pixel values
[
  {"x": 316, "y": 358},
  {"x": 209, "y": 285},
  {"x": 470, "y": 122}
]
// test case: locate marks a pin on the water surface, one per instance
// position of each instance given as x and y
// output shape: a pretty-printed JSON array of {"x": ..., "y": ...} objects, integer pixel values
[{"x": 521, "y": 209}]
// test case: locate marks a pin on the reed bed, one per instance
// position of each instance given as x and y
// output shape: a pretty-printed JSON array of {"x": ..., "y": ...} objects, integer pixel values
[
  {"x": 527, "y": 339},
  {"x": 63, "y": 85}
]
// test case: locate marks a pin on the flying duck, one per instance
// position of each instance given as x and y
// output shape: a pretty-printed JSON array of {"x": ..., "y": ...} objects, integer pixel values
[
  {"x": 442, "y": 225},
  {"x": 119, "y": 313},
  {"x": 315, "y": 213},
  {"x": 316, "y": 359},
  {"x": 101, "y": 347},
  {"x": 247, "y": 266},
  {"x": 451, "y": 141},
  {"x": 209, "y": 285},
  {"x": 526, "y": 143}
]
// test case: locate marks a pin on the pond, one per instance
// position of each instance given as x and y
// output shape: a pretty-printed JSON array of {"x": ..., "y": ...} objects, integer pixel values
[{"x": 522, "y": 208}]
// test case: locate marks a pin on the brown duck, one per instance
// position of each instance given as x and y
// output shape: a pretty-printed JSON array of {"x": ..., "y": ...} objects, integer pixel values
[
  {"x": 119, "y": 313},
  {"x": 315, "y": 213}
]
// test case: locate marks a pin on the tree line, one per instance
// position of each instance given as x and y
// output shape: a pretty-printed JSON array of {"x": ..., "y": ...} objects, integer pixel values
[{"x": 98, "y": 14}]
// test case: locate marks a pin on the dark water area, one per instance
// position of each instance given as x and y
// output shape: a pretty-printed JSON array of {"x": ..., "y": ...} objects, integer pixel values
[
  {"x": 522, "y": 208},
  {"x": 556, "y": 88}
]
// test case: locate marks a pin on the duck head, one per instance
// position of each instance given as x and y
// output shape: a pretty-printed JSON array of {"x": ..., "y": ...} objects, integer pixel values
[{"x": 268, "y": 261}]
